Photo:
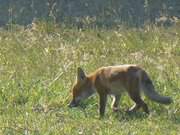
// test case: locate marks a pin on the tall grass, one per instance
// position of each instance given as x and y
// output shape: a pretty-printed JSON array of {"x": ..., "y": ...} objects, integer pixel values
[{"x": 38, "y": 67}]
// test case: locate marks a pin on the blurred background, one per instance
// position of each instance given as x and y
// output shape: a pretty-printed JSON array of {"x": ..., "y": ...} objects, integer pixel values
[{"x": 91, "y": 13}]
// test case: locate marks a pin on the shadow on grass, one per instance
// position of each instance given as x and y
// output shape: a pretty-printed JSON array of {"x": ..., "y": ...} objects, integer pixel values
[
  {"x": 120, "y": 115},
  {"x": 124, "y": 116},
  {"x": 175, "y": 117}
]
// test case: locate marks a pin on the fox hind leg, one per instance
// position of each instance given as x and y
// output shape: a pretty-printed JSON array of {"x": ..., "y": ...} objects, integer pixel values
[
  {"x": 115, "y": 102},
  {"x": 138, "y": 103}
]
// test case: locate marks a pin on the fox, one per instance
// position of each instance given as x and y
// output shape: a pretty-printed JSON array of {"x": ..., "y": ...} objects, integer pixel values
[{"x": 114, "y": 81}]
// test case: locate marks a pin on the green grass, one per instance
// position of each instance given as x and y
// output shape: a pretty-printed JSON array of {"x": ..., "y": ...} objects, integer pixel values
[{"x": 38, "y": 67}]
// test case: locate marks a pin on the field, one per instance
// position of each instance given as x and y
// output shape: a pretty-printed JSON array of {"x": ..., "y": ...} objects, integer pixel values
[{"x": 38, "y": 67}]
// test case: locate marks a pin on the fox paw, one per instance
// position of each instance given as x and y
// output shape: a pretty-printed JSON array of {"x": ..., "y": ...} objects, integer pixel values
[
  {"x": 130, "y": 111},
  {"x": 115, "y": 109}
]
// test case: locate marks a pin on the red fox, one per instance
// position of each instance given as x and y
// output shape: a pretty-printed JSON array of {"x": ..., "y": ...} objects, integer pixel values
[{"x": 114, "y": 80}]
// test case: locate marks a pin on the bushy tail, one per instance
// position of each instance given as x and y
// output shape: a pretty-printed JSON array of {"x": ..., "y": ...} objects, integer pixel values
[{"x": 149, "y": 91}]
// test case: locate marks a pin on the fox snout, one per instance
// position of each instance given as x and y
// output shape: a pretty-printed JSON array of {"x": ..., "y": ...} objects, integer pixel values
[{"x": 73, "y": 103}]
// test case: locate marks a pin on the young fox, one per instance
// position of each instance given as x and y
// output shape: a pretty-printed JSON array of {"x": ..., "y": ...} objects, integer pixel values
[{"x": 114, "y": 80}]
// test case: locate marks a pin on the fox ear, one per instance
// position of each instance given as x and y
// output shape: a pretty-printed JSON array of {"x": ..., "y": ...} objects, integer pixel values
[{"x": 80, "y": 74}]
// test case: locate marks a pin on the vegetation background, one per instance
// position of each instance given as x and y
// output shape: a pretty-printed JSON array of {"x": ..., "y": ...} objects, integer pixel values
[
  {"x": 43, "y": 42},
  {"x": 90, "y": 12}
]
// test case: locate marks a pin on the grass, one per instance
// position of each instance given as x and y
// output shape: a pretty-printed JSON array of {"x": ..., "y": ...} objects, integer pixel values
[{"x": 38, "y": 67}]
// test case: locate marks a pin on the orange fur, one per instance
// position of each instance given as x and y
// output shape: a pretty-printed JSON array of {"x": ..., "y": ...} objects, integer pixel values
[{"x": 114, "y": 80}]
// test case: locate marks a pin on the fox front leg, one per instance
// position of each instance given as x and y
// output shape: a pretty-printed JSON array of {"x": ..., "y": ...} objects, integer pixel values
[{"x": 102, "y": 103}]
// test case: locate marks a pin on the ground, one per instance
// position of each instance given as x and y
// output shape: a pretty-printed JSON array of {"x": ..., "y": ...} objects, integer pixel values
[{"x": 38, "y": 67}]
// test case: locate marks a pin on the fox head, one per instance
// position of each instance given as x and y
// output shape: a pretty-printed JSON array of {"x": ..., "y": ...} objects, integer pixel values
[{"x": 82, "y": 88}]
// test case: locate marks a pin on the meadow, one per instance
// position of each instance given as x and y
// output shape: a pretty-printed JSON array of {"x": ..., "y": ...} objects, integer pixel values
[{"x": 38, "y": 66}]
